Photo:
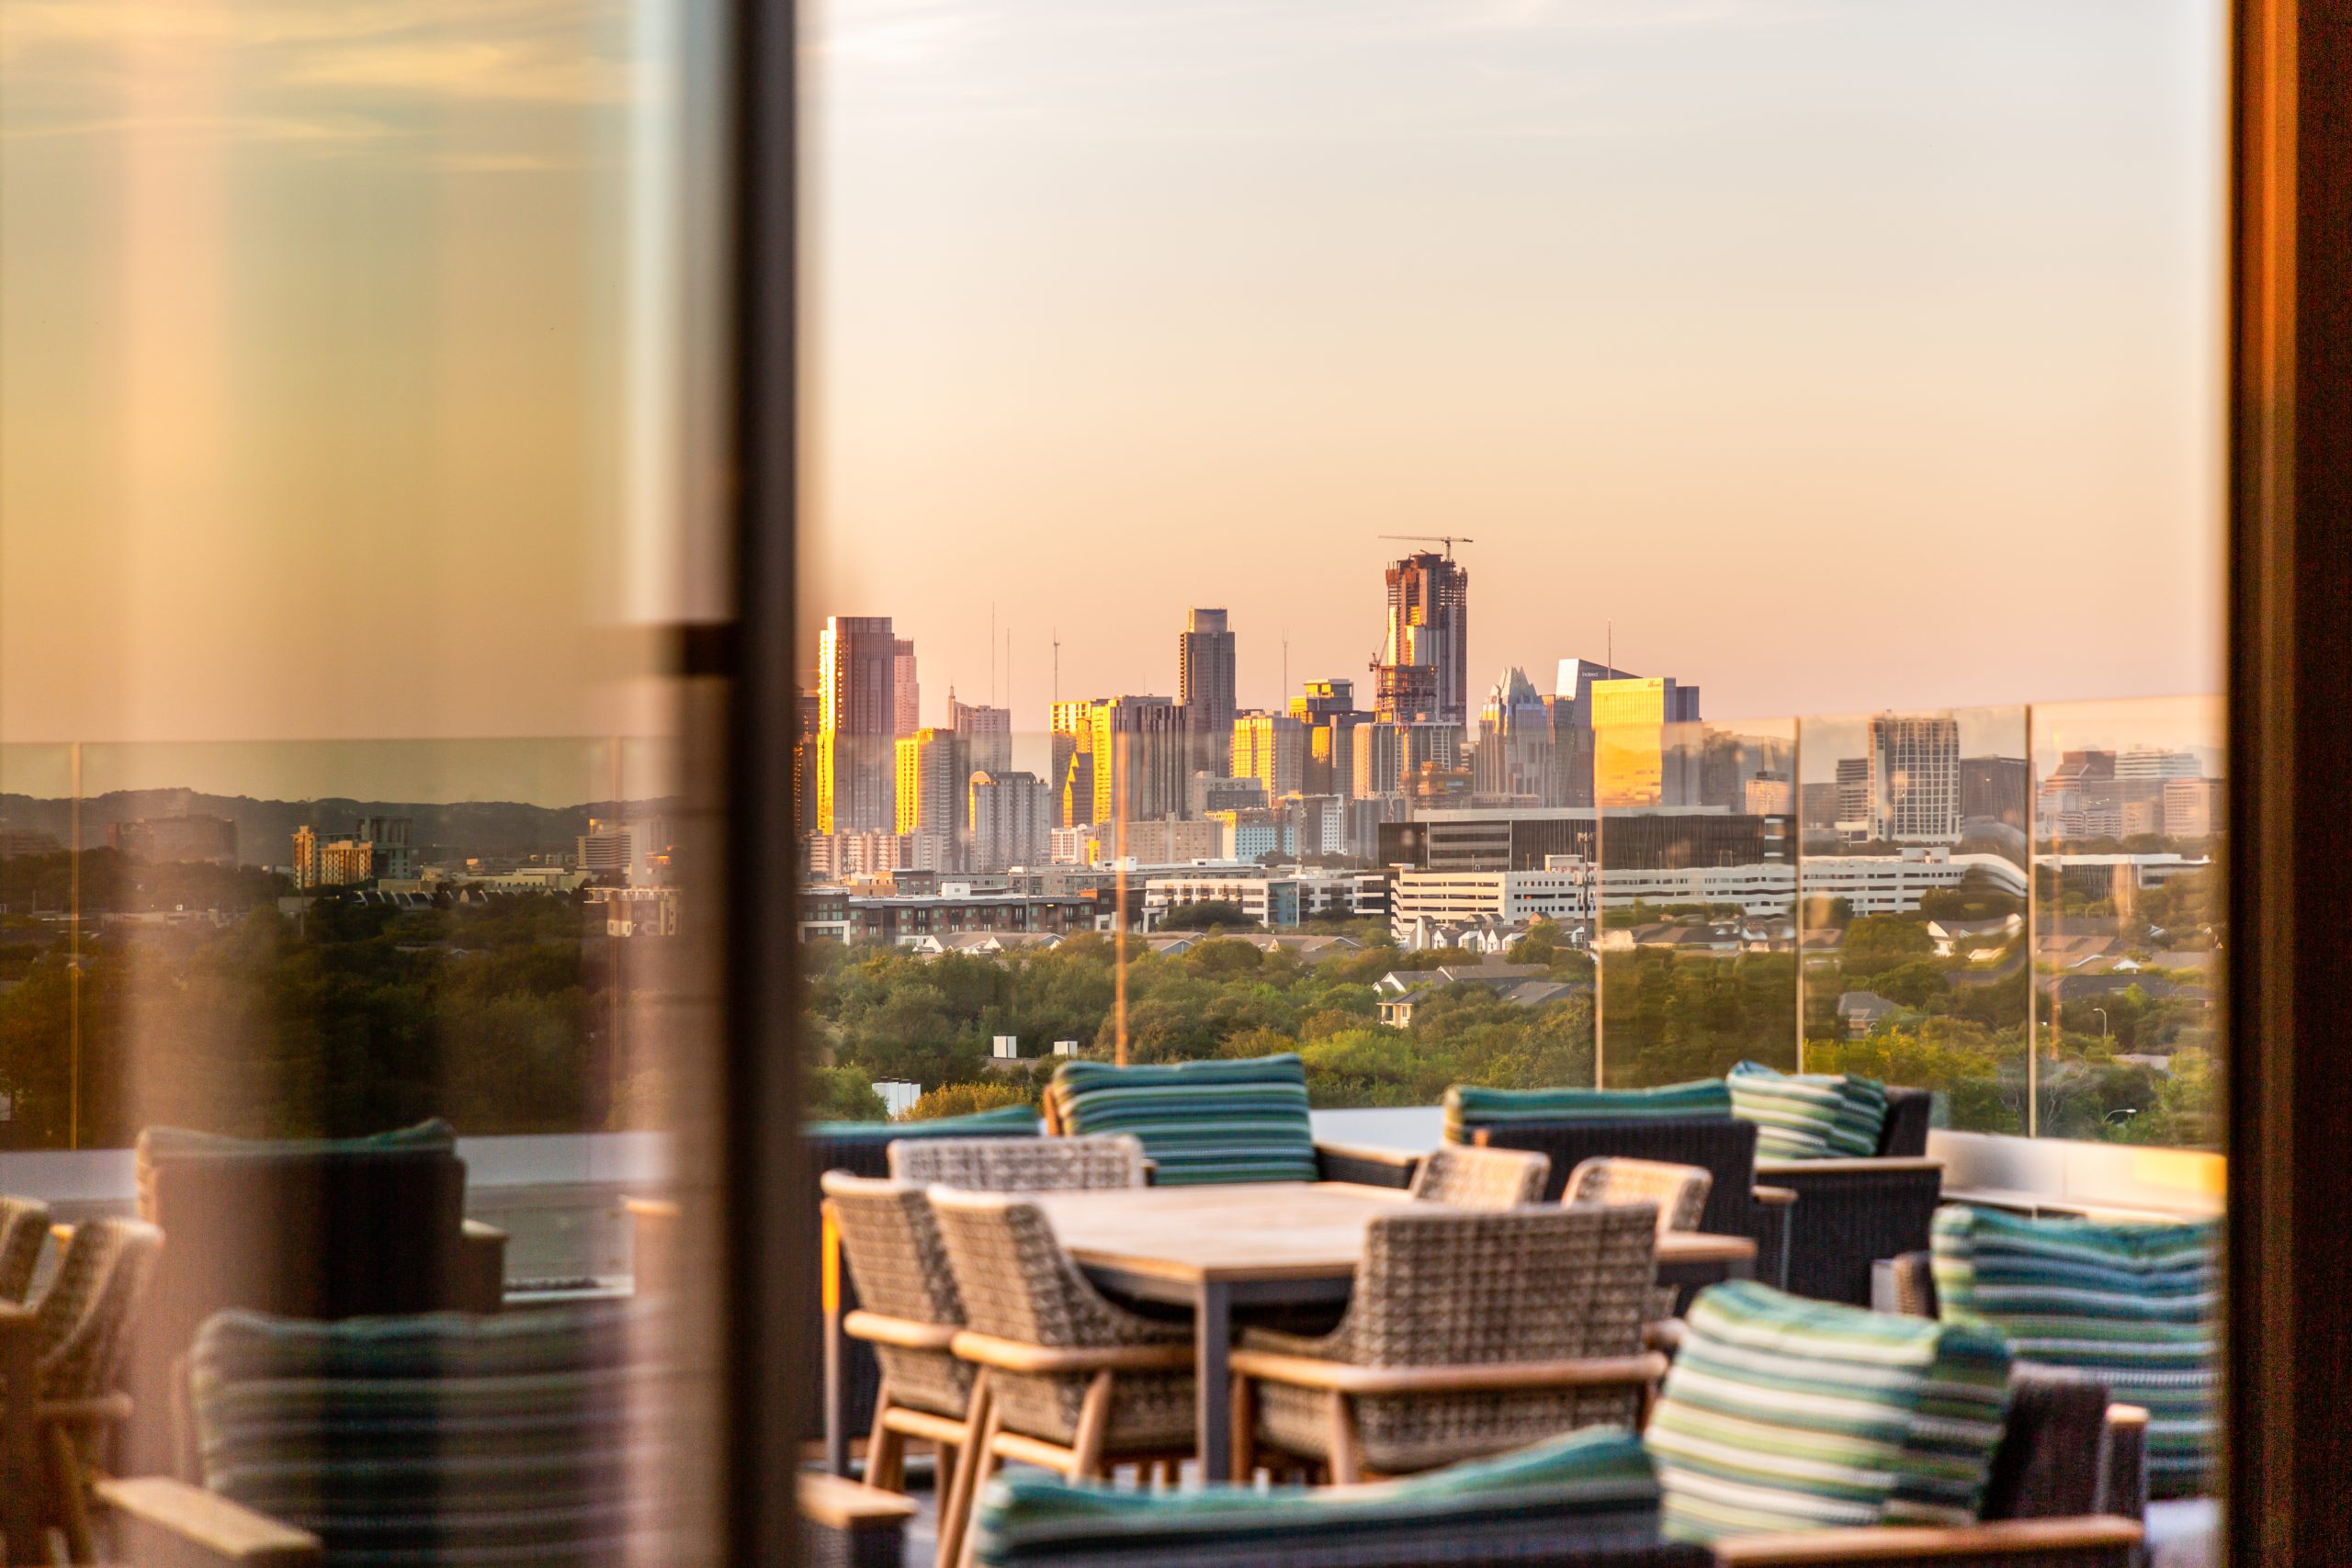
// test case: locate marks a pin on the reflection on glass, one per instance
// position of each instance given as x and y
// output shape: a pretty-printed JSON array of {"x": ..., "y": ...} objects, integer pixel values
[
  {"x": 2128, "y": 932},
  {"x": 1695, "y": 877},
  {"x": 1913, "y": 922}
]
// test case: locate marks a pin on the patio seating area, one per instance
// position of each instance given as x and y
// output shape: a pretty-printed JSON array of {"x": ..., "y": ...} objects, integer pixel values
[{"x": 1526, "y": 1344}]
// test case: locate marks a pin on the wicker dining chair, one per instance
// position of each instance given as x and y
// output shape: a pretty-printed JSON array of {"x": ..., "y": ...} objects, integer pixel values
[
  {"x": 1075, "y": 1385},
  {"x": 1679, "y": 1191},
  {"x": 1464, "y": 1177},
  {"x": 24, "y": 1225},
  {"x": 1020, "y": 1165},
  {"x": 81, "y": 1330},
  {"x": 911, "y": 1313},
  {"x": 1467, "y": 1334}
]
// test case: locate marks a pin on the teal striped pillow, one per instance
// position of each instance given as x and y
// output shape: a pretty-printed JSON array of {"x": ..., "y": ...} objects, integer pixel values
[
  {"x": 1469, "y": 1107},
  {"x": 1784, "y": 1414},
  {"x": 1003, "y": 1119},
  {"x": 2133, "y": 1306},
  {"x": 1200, "y": 1122},
  {"x": 1594, "y": 1474},
  {"x": 1809, "y": 1116}
]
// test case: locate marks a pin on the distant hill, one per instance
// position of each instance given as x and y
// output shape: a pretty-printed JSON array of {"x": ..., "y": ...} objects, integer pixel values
[{"x": 265, "y": 827}]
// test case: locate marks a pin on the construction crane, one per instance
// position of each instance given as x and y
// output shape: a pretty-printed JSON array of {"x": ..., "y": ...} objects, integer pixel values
[{"x": 1448, "y": 541}]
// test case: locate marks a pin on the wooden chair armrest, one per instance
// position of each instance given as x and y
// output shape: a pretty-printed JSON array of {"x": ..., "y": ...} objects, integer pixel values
[
  {"x": 656, "y": 1209},
  {"x": 1665, "y": 1335},
  {"x": 1013, "y": 1356},
  {"x": 1777, "y": 1197},
  {"x": 905, "y": 1333},
  {"x": 481, "y": 1285},
  {"x": 164, "y": 1523},
  {"x": 837, "y": 1503},
  {"x": 2023, "y": 1538},
  {"x": 1889, "y": 1164},
  {"x": 1371, "y": 1153},
  {"x": 1341, "y": 1377},
  {"x": 2127, "y": 1416}
]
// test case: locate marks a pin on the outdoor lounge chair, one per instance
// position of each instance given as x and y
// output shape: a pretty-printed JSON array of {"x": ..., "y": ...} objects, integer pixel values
[
  {"x": 1019, "y": 1165},
  {"x": 24, "y": 1227},
  {"x": 1480, "y": 1179},
  {"x": 1075, "y": 1385},
  {"x": 436, "y": 1439},
  {"x": 1214, "y": 1120},
  {"x": 1678, "y": 1193},
  {"x": 1467, "y": 1334},
  {"x": 309, "y": 1228},
  {"x": 1850, "y": 1213}
]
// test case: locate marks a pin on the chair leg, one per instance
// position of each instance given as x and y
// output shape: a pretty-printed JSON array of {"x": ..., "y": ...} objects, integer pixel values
[
  {"x": 72, "y": 1495},
  {"x": 984, "y": 1467},
  {"x": 1245, "y": 1430},
  {"x": 955, "y": 1496},
  {"x": 1347, "y": 1449},
  {"x": 1093, "y": 1426},
  {"x": 886, "y": 1450}
]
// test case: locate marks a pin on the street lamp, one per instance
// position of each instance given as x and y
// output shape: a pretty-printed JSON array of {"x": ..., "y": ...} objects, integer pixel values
[{"x": 2102, "y": 1022}]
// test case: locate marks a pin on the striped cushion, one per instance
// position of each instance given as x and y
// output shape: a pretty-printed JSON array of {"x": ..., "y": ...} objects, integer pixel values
[
  {"x": 1813, "y": 1116},
  {"x": 446, "y": 1439},
  {"x": 1202, "y": 1121},
  {"x": 1782, "y": 1414},
  {"x": 978, "y": 1124},
  {"x": 2131, "y": 1306},
  {"x": 1469, "y": 1107},
  {"x": 1592, "y": 1475}
]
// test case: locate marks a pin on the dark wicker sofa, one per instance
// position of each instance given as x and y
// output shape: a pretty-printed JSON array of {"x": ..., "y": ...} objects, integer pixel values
[{"x": 1850, "y": 1213}]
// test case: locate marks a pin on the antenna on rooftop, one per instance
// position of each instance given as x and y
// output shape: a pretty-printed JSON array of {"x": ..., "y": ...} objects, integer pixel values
[{"x": 1057, "y": 635}]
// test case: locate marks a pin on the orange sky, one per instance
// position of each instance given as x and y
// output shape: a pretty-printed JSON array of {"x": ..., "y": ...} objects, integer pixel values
[{"x": 1841, "y": 355}]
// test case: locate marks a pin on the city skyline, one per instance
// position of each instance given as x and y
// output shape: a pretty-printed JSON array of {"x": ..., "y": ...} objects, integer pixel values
[{"x": 1110, "y": 321}]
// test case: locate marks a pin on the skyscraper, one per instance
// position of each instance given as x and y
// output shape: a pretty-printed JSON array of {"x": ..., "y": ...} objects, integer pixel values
[
  {"x": 1272, "y": 748},
  {"x": 1204, "y": 673},
  {"x": 987, "y": 735},
  {"x": 1009, "y": 820},
  {"x": 1424, "y": 669},
  {"x": 932, "y": 772},
  {"x": 1142, "y": 751},
  {"x": 906, "y": 694},
  {"x": 1514, "y": 753},
  {"x": 1914, "y": 778},
  {"x": 1645, "y": 746},
  {"x": 856, "y": 724}
]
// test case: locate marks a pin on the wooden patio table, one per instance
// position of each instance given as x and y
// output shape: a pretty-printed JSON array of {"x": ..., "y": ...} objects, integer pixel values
[{"x": 1216, "y": 1248}]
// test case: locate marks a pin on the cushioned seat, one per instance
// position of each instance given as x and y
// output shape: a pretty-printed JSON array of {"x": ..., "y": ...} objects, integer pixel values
[
  {"x": 1808, "y": 1116},
  {"x": 2132, "y": 1305},
  {"x": 1595, "y": 1488},
  {"x": 1468, "y": 1106},
  {"x": 1199, "y": 1121},
  {"x": 438, "y": 1439}
]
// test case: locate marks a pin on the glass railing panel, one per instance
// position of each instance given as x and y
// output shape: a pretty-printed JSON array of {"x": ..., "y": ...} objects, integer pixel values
[
  {"x": 1693, "y": 876},
  {"x": 41, "y": 943},
  {"x": 2130, "y": 820},
  {"x": 1913, "y": 921}
]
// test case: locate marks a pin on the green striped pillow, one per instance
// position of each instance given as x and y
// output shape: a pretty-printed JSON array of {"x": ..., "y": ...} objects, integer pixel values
[
  {"x": 1200, "y": 1122},
  {"x": 1469, "y": 1107},
  {"x": 2131, "y": 1306},
  {"x": 1808, "y": 1116},
  {"x": 1593, "y": 1475},
  {"x": 1784, "y": 1414}
]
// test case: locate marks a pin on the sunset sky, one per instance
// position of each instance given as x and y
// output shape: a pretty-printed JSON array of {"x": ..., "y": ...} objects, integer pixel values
[{"x": 1840, "y": 354}]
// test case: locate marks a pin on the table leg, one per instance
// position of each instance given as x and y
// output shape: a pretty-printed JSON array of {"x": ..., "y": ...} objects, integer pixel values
[{"x": 1213, "y": 1399}]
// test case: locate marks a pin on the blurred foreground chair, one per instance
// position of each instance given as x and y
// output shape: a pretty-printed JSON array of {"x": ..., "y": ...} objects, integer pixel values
[
  {"x": 1679, "y": 1192},
  {"x": 80, "y": 1333},
  {"x": 24, "y": 1227},
  {"x": 307, "y": 1228},
  {"x": 435, "y": 1440},
  {"x": 1467, "y": 1334}
]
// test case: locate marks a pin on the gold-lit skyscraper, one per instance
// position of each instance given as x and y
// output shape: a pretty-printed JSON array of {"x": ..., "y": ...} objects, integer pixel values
[{"x": 856, "y": 724}]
